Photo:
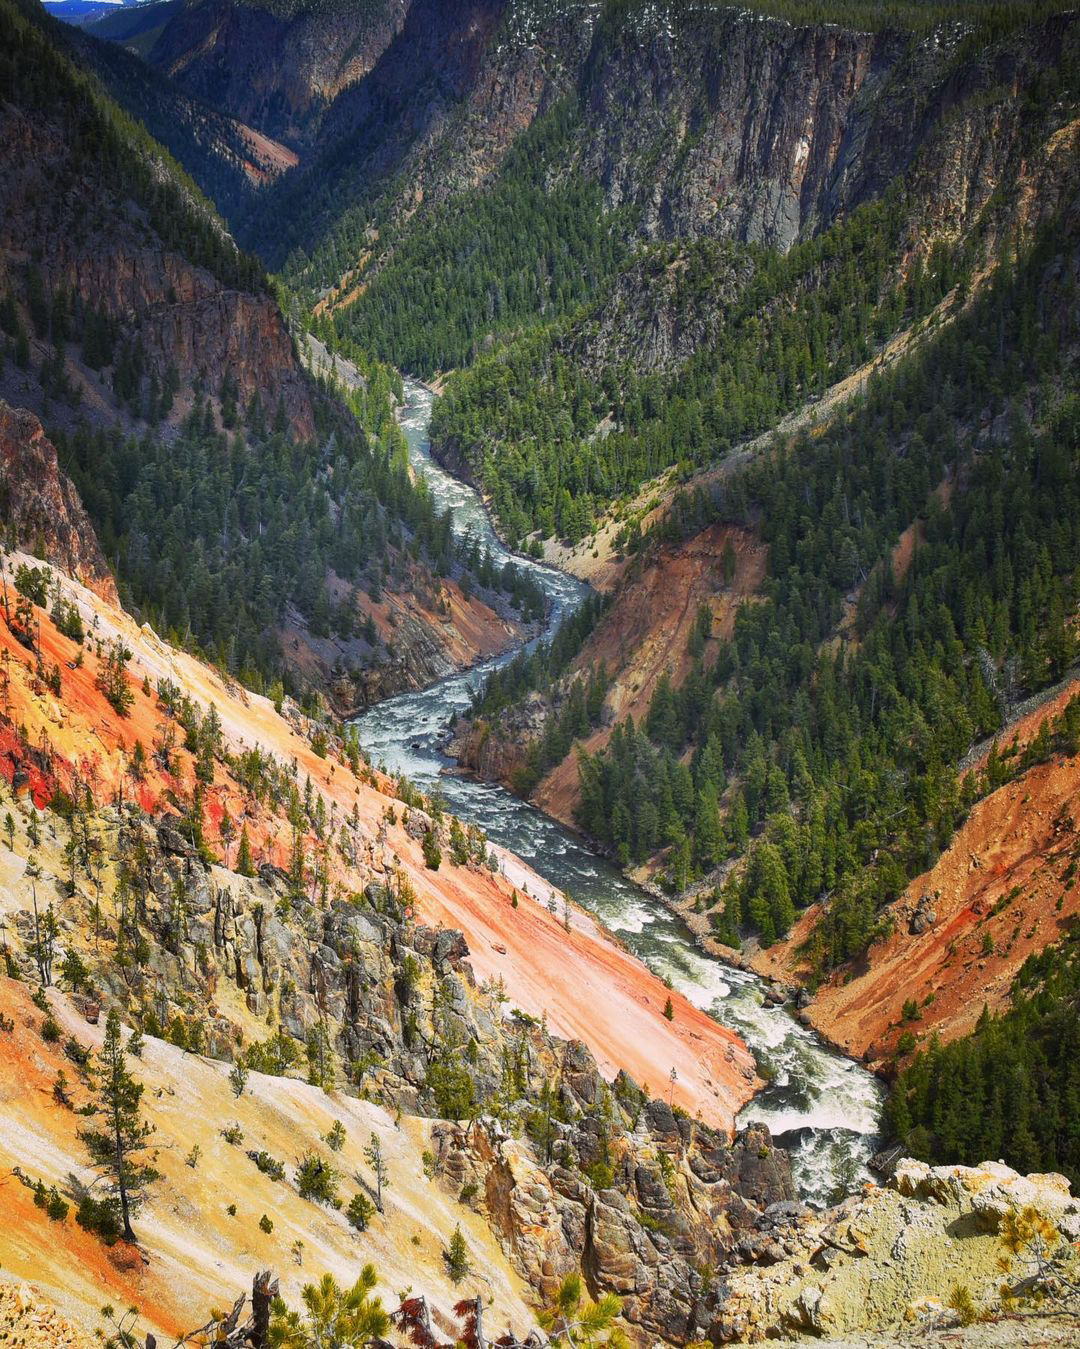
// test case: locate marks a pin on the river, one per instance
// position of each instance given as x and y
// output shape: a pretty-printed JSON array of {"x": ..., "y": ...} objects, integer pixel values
[{"x": 820, "y": 1105}]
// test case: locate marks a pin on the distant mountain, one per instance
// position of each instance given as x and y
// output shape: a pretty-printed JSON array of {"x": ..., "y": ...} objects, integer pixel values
[
  {"x": 277, "y": 67},
  {"x": 82, "y": 12},
  {"x": 136, "y": 26}
]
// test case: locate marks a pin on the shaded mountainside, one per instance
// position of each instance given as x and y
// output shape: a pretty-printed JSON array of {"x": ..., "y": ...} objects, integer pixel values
[
  {"x": 227, "y": 158},
  {"x": 274, "y": 67},
  {"x": 40, "y": 507},
  {"x": 101, "y": 232},
  {"x": 156, "y": 353}
]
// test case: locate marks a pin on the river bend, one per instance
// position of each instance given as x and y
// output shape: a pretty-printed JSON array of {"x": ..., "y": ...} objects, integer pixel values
[{"x": 820, "y": 1105}]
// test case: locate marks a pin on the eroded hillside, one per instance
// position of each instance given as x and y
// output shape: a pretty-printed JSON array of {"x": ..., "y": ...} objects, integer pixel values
[{"x": 952, "y": 944}]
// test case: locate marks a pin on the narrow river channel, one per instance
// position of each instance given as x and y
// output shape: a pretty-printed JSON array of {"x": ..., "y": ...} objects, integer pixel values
[{"x": 820, "y": 1105}]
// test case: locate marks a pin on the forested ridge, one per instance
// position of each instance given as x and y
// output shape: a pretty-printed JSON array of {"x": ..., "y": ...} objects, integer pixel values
[
  {"x": 218, "y": 534},
  {"x": 36, "y": 77},
  {"x": 482, "y": 264},
  {"x": 838, "y": 761},
  {"x": 525, "y": 417}
]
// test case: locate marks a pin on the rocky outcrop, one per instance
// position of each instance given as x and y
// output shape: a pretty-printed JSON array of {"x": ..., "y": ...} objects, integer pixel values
[
  {"x": 207, "y": 928},
  {"x": 889, "y": 1260},
  {"x": 42, "y": 505},
  {"x": 495, "y": 750},
  {"x": 661, "y": 310},
  {"x": 738, "y": 124},
  {"x": 672, "y": 1207}
]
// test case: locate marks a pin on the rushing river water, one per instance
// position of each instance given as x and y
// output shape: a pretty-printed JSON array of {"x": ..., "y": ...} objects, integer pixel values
[{"x": 818, "y": 1103}]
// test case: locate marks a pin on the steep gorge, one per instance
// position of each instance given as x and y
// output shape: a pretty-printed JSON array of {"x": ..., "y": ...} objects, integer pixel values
[{"x": 707, "y": 174}]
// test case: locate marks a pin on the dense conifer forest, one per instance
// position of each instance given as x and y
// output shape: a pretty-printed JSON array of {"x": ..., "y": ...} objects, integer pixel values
[
  {"x": 485, "y": 262},
  {"x": 526, "y": 416},
  {"x": 1012, "y": 1088},
  {"x": 218, "y": 534},
  {"x": 839, "y": 761}
]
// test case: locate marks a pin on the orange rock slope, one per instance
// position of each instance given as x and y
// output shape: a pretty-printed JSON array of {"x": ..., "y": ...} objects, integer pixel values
[
  {"x": 644, "y": 635},
  {"x": 1004, "y": 888},
  {"x": 586, "y": 984}
]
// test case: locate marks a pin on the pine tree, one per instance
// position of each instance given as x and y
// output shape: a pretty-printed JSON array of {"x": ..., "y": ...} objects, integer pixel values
[
  {"x": 337, "y": 1318},
  {"x": 458, "y": 1261},
  {"x": 119, "y": 1146},
  {"x": 244, "y": 862},
  {"x": 360, "y": 1211},
  {"x": 571, "y": 1317},
  {"x": 374, "y": 1156},
  {"x": 238, "y": 1076}
]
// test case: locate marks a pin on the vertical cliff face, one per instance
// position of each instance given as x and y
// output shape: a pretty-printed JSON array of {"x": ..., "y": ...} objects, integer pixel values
[
  {"x": 417, "y": 93},
  {"x": 735, "y": 123},
  {"x": 276, "y": 67},
  {"x": 41, "y": 505},
  {"x": 960, "y": 121}
]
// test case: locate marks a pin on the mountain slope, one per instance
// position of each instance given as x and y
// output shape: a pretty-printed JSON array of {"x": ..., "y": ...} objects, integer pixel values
[
  {"x": 157, "y": 353},
  {"x": 128, "y": 243},
  {"x": 805, "y": 744},
  {"x": 276, "y": 67},
  {"x": 310, "y": 948}
]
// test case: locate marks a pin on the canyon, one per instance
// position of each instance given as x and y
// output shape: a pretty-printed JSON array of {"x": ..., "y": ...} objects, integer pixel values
[{"x": 741, "y": 476}]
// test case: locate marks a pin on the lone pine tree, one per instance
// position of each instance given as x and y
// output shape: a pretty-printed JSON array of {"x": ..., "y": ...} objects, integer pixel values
[{"x": 119, "y": 1146}]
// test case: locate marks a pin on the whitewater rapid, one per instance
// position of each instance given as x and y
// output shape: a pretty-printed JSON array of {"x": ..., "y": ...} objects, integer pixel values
[{"x": 820, "y": 1105}]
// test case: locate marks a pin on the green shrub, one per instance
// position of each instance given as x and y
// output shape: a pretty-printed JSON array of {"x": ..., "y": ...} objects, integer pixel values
[
  {"x": 432, "y": 851},
  {"x": 100, "y": 1216},
  {"x": 269, "y": 1166},
  {"x": 57, "y": 1207},
  {"x": 600, "y": 1175},
  {"x": 360, "y": 1211},
  {"x": 317, "y": 1180}
]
